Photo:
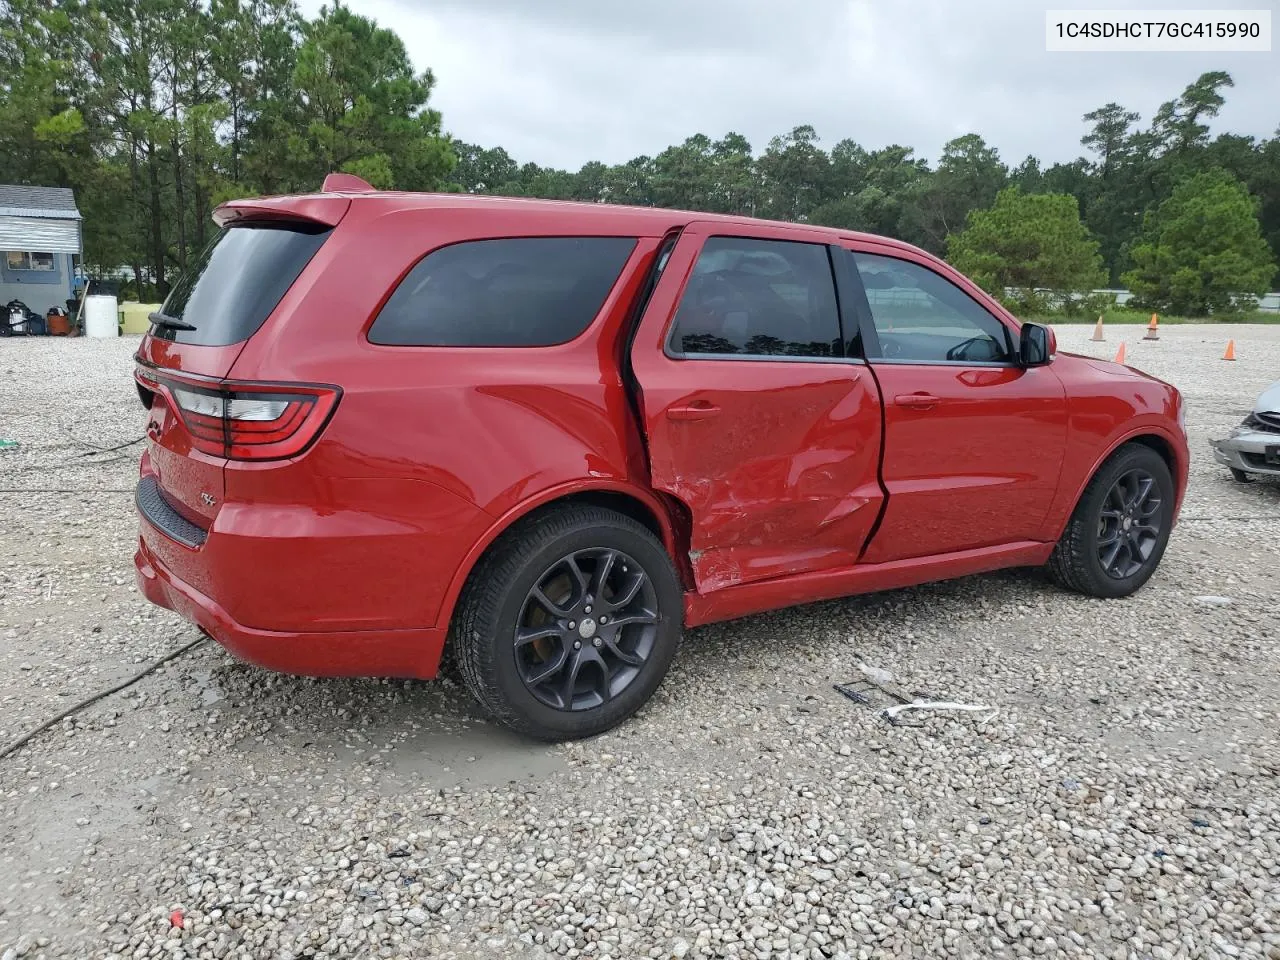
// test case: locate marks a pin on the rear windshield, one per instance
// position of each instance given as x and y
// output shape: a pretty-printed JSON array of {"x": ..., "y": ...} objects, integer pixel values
[
  {"x": 520, "y": 292},
  {"x": 235, "y": 283}
]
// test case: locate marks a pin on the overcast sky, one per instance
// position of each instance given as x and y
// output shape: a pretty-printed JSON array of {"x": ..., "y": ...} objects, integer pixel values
[{"x": 561, "y": 82}]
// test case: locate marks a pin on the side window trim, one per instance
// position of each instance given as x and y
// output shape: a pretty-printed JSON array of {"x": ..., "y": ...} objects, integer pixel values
[
  {"x": 671, "y": 352},
  {"x": 854, "y": 305},
  {"x": 661, "y": 257},
  {"x": 869, "y": 324}
]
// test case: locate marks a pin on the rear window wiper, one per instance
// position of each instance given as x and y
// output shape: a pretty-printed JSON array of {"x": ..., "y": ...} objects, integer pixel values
[{"x": 164, "y": 320}]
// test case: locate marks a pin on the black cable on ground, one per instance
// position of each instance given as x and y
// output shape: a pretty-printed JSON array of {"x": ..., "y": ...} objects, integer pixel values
[
  {"x": 93, "y": 447},
  {"x": 118, "y": 446},
  {"x": 65, "y": 490},
  {"x": 154, "y": 665}
]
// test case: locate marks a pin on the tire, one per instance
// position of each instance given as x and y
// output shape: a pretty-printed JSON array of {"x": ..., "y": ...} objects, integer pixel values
[
  {"x": 1239, "y": 476},
  {"x": 1076, "y": 562},
  {"x": 619, "y": 667}
]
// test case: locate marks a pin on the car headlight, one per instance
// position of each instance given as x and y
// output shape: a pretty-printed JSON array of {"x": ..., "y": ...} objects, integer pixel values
[{"x": 1182, "y": 415}]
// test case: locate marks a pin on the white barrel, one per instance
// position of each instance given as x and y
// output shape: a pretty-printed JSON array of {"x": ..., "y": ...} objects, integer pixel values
[{"x": 101, "y": 316}]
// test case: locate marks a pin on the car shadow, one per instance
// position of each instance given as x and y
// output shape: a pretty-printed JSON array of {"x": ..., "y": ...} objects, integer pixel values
[{"x": 414, "y": 733}]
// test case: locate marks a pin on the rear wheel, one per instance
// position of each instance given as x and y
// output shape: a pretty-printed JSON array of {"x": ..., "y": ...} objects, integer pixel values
[
  {"x": 1118, "y": 532},
  {"x": 569, "y": 624}
]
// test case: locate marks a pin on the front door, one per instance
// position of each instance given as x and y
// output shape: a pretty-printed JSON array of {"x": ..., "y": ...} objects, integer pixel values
[
  {"x": 759, "y": 414},
  {"x": 973, "y": 442}
]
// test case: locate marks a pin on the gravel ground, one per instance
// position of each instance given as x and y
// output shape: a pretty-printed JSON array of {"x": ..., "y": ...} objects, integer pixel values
[{"x": 1121, "y": 803}]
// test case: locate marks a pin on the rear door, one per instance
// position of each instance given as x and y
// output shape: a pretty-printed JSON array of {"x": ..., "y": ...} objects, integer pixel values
[
  {"x": 759, "y": 414},
  {"x": 973, "y": 443},
  {"x": 222, "y": 299}
]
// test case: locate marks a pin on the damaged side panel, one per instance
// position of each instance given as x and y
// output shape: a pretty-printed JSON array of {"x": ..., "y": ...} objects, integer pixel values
[
  {"x": 783, "y": 479},
  {"x": 774, "y": 454}
]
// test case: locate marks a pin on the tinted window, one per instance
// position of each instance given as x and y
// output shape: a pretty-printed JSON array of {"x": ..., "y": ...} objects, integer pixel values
[
  {"x": 921, "y": 316},
  {"x": 503, "y": 293},
  {"x": 761, "y": 298},
  {"x": 236, "y": 282}
]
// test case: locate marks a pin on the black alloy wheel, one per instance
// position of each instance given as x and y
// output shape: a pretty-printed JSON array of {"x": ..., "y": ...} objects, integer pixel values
[
  {"x": 569, "y": 623},
  {"x": 1129, "y": 524},
  {"x": 586, "y": 629},
  {"x": 1120, "y": 527}
]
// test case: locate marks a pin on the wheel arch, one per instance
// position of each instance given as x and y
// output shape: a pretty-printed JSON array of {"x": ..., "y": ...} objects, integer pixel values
[
  {"x": 1147, "y": 435},
  {"x": 635, "y": 502},
  {"x": 1157, "y": 443}
]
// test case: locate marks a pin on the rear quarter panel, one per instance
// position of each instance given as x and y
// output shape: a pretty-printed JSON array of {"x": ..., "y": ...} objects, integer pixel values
[
  {"x": 1109, "y": 404},
  {"x": 466, "y": 439}
]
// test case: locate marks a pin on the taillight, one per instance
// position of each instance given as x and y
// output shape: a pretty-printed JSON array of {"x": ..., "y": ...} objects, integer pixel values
[{"x": 251, "y": 421}]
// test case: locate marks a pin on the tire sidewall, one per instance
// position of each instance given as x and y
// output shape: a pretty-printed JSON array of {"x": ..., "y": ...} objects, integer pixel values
[
  {"x": 547, "y": 721},
  {"x": 1141, "y": 457}
]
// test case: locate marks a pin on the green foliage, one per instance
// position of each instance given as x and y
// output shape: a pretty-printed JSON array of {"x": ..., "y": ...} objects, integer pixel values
[
  {"x": 1177, "y": 127},
  {"x": 874, "y": 194},
  {"x": 968, "y": 177},
  {"x": 1090, "y": 305},
  {"x": 1124, "y": 316},
  {"x": 1202, "y": 250},
  {"x": 155, "y": 111},
  {"x": 363, "y": 108},
  {"x": 1031, "y": 244}
]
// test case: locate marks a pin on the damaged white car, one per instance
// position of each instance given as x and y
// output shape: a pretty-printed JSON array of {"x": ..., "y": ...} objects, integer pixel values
[{"x": 1253, "y": 448}]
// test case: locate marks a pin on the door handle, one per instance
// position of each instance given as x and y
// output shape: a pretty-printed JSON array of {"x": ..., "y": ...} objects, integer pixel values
[
  {"x": 693, "y": 411},
  {"x": 916, "y": 401}
]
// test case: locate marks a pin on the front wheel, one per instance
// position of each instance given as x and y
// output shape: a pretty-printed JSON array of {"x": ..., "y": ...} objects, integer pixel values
[
  {"x": 1118, "y": 532},
  {"x": 569, "y": 624},
  {"x": 1239, "y": 476}
]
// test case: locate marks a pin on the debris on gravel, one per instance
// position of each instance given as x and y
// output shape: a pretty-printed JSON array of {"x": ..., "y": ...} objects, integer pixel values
[{"x": 1121, "y": 802}]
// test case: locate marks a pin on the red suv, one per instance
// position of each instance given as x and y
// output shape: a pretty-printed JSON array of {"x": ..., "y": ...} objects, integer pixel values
[{"x": 542, "y": 438}]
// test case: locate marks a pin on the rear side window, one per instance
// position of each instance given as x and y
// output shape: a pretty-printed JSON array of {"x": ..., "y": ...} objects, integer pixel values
[
  {"x": 759, "y": 298},
  {"x": 527, "y": 292},
  {"x": 235, "y": 283}
]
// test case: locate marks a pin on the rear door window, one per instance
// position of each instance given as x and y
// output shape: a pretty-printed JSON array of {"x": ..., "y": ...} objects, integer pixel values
[
  {"x": 762, "y": 298},
  {"x": 520, "y": 292},
  {"x": 237, "y": 280}
]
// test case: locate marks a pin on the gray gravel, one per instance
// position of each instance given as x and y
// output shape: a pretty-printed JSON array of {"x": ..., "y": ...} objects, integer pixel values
[{"x": 1122, "y": 803}]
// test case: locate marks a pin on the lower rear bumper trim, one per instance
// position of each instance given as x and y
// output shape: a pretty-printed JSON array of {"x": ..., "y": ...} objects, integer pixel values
[
  {"x": 152, "y": 505},
  {"x": 406, "y": 654}
]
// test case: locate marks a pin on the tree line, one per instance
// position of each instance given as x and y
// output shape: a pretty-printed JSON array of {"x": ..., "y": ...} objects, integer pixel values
[{"x": 155, "y": 111}]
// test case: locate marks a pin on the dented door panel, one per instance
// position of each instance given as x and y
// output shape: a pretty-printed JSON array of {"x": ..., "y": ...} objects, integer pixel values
[
  {"x": 776, "y": 459},
  {"x": 783, "y": 480}
]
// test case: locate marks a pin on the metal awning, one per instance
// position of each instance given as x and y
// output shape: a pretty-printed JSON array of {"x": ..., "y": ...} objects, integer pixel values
[
  {"x": 39, "y": 234},
  {"x": 51, "y": 213}
]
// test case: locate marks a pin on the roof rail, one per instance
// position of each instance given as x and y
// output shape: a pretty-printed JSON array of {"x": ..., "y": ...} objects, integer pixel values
[{"x": 346, "y": 183}]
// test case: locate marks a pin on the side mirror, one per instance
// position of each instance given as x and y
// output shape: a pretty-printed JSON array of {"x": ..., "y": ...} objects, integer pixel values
[{"x": 1036, "y": 345}]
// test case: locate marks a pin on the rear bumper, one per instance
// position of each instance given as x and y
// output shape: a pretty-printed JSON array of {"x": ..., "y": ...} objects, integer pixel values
[
  {"x": 1246, "y": 450},
  {"x": 366, "y": 653}
]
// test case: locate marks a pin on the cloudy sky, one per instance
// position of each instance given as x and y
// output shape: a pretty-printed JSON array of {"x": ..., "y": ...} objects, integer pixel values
[{"x": 561, "y": 82}]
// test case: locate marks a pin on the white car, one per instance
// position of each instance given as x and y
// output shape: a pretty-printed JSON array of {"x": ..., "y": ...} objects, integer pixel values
[{"x": 1254, "y": 446}]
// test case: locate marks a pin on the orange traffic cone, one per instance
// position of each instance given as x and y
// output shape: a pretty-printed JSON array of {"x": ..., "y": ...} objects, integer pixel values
[
  {"x": 1151, "y": 329},
  {"x": 1120, "y": 354},
  {"x": 1097, "y": 331},
  {"x": 1231, "y": 351}
]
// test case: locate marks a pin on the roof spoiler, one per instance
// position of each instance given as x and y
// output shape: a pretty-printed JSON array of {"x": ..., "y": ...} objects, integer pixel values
[
  {"x": 317, "y": 209},
  {"x": 326, "y": 208}
]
